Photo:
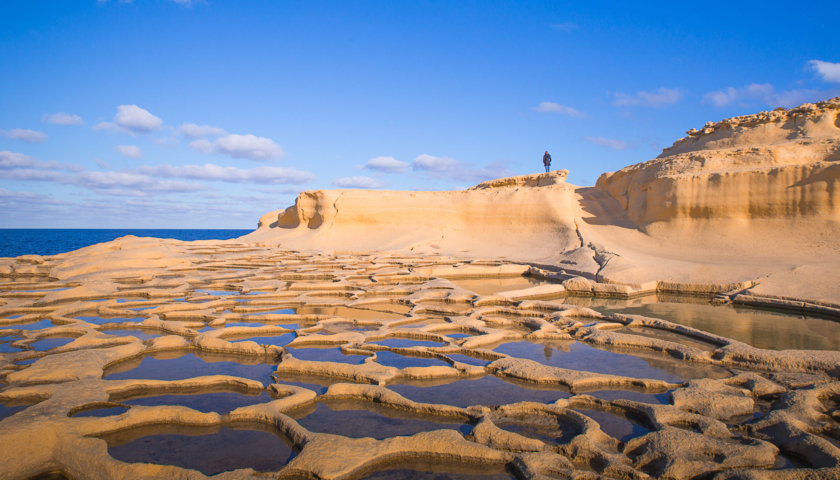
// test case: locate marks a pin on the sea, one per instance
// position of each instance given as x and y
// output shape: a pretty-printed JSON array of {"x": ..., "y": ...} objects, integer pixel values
[{"x": 50, "y": 241}]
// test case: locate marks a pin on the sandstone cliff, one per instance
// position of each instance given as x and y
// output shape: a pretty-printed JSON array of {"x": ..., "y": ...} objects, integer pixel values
[
  {"x": 778, "y": 164},
  {"x": 752, "y": 199}
]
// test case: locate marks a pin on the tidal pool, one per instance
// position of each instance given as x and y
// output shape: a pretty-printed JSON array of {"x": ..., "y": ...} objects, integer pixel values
[
  {"x": 50, "y": 343},
  {"x": 486, "y": 390},
  {"x": 101, "y": 320},
  {"x": 390, "y": 359},
  {"x": 359, "y": 419},
  {"x": 277, "y": 340},
  {"x": 181, "y": 365},
  {"x": 45, "y": 323},
  {"x": 219, "y": 402},
  {"x": 580, "y": 356},
  {"x": 141, "y": 334},
  {"x": 757, "y": 327},
  {"x": 615, "y": 425},
  {"x": 406, "y": 343},
  {"x": 210, "y": 450},
  {"x": 418, "y": 470},
  {"x": 325, "y": 354}
]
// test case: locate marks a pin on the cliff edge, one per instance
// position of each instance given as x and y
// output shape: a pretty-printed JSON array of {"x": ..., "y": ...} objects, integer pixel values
[{"x": 748, "y": 200}]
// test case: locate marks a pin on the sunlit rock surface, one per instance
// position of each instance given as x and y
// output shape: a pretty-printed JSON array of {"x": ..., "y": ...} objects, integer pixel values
[{"x": 511, "y": 382}]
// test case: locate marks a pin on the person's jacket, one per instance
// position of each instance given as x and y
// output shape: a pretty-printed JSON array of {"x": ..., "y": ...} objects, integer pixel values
[{"x": 546, "y": 159}]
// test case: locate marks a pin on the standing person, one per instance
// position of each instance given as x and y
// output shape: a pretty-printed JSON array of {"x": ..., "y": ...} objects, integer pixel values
[{"x": 547, "y": 161}]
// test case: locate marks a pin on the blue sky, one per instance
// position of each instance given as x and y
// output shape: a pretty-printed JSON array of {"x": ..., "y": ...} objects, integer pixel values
[{"x": 208, "y": 114}]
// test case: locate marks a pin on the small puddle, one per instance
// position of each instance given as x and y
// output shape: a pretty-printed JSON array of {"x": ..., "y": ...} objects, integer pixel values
[
  {"x": 417, "y": 470},
  {"x": 348, "y": 313},
  {"x": 487, "y": 390},
  {"x": 50, "y": 343},
  {"x": 277, "y": 340},
  {"x": 218, "y": 293},
  {"x": 391, "y": 359},
  {"x": 663, "y": 398},
  {"x": 616, "y": 426},
  {"x": 582, "y": 357},
  {"x": 9, "y": 410},
  {"x": 210, "y": 450},
  {"x": 468, "y": 359},
  {"x": 179, "y": 366},
  {"x": 101, "y": 320},
  {"x": 561, "y": 433},
  {"x": 458, "y": 335},
  {"x": 101, "y": 412},
  {"x": 357, "y": 419},
  {"x": 45, "y": 323},
  {"x": 330, "y": 354},
  {"x": 220, "y": 402},
  {"x": 141, "y": 334},
  {"x": 6, "y": 346},
  {"x": 279, "y": 311},
  {"x": 406, "y": 343}
]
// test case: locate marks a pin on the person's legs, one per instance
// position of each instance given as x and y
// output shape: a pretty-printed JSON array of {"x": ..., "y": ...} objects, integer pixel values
[{"x": 547, "y": 168}]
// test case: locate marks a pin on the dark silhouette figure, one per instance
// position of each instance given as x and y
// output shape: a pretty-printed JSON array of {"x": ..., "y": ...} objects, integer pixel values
[{"x": 547, "y": 161}]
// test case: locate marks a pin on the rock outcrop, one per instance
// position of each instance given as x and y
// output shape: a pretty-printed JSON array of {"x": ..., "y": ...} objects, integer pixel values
[{"x": 777, "y": 164}]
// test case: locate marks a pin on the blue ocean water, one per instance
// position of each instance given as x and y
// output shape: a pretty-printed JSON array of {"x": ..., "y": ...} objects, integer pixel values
[{"x": 50, "y": 241}]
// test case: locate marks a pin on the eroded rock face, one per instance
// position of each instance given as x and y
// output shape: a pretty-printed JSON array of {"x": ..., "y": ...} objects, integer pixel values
[
  {"x": 782, "y": 164},
  {"x": 512, "y": 379}
]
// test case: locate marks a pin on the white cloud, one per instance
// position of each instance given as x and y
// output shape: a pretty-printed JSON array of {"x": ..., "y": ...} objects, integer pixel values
[
  {"x": 62, "y": 118},
  {"x": 130, "y": 119},
  {"x": 761, "y": 93},
  {"x": 445, "y": 167},
  {"x": 132, "y": 151},
  {"x": 434, "y": 164},
  {"x": 551, "y": 107},
  {"x": 357, "y": 181},
  {"x": 608, "y": 142},
  {"x": 191, "y": 130},
  {"x": 828, "y": 71},
  {"x": 24, "y": 135},
  {"x": 116, "y": 183},
  {"x": 657, "y": 98},
  {"x": 136, "y": 119},
  {"x": 241, "y": 146},
  {"x": 9, "y": 160},
  {"x": 209, "y": 171},
  {"x": 386, "y": 164}
]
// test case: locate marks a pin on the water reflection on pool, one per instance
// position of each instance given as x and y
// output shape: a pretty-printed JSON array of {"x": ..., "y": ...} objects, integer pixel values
[{"x": 757, "y": 327}]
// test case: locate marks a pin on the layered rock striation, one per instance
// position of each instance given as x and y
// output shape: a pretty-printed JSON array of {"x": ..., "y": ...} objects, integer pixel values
[{"x": 778, "y": 164}]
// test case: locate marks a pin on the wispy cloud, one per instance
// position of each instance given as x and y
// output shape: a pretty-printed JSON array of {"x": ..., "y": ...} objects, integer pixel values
[
  {"x": 431, "y": 163},
  {"x": 62, "y": 118},
  {"x": 209, "y": 171},
  {"x": 132, "y": 151},
  {"x": 660, "y": 97},
  {"x": 386, "y": 164},
  {"x": 191, "y": 130},
  {"x": 241, "y": 146},
  {"x": 828, "y": 71},
  {"x": 24, "y": 135},
  {"x": 357, "y": 181},
  {"x": 445, "y": 167},
  {"x": 608, "y": 142},
  {"x": 552, "y": 107},
  {"x": 761, "y": 93},
  {"x": 131, "y": 119}
]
